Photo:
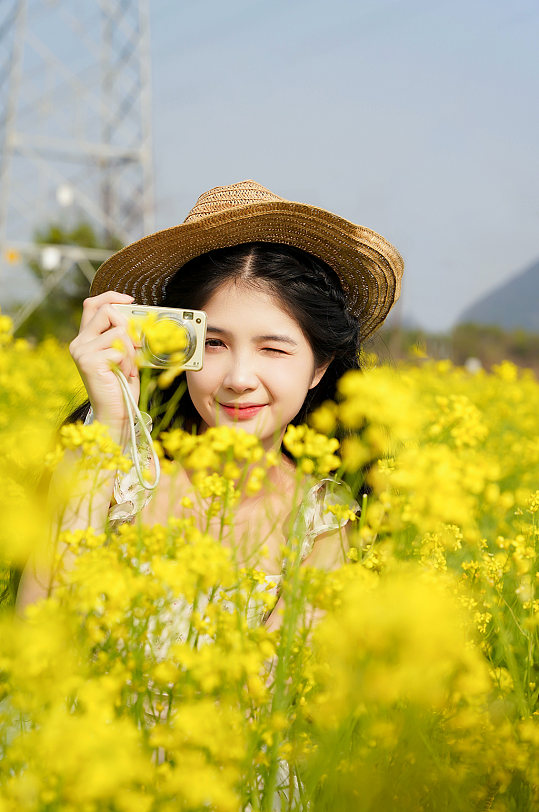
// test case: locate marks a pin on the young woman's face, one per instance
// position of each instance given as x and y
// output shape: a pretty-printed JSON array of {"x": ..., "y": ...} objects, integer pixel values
[{"x": 258, "y": 365}]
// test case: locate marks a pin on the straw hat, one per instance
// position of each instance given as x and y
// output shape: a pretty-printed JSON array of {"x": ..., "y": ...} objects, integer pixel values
[{"x": 369, "y": 267}]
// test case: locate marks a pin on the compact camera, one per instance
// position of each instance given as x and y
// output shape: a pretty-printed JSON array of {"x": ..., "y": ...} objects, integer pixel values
[{"x": 153, "y": 351}]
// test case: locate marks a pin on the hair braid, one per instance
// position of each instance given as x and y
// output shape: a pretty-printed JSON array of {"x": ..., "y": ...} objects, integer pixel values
[{"x": 317, "y": 273}]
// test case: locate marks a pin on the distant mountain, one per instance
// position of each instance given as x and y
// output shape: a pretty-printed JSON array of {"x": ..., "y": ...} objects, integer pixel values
[{"x": 512, "y": 305}]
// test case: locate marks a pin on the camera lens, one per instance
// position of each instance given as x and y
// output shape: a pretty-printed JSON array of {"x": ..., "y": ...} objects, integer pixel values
[{"x": 169, "y": 340}]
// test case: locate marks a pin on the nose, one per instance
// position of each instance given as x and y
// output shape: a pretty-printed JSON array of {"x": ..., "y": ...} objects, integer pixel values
[{"x": 240, "y": 375}]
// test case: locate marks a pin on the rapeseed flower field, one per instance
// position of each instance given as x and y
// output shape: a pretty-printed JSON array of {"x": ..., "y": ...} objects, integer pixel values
[{"x": 405, "y": 680}]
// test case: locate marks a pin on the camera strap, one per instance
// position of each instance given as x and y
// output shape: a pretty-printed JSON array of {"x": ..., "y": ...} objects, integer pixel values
[{"x": 132, "y": 411}]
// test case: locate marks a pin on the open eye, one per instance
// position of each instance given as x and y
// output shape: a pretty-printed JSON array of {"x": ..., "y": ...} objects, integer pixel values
[{"x": 213, "y": 342}]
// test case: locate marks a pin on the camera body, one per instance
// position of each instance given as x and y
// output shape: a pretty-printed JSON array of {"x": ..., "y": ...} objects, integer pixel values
[{"x": 191, "y": 322}]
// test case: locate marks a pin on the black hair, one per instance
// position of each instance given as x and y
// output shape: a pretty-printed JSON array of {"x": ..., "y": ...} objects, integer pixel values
[{"x": 305, "y": 286}]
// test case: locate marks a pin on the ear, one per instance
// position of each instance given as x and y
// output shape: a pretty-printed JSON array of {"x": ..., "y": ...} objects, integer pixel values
[{"x": 319, "y": 374}]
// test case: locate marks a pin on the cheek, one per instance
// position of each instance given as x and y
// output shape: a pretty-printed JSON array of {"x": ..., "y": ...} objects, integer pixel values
[
  {"x": 199, "y": 383},
  {"x": 292, "y": 385}
]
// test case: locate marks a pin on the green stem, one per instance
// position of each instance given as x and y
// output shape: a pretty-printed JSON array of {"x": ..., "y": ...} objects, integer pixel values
[{"x": 288, "y": 627}]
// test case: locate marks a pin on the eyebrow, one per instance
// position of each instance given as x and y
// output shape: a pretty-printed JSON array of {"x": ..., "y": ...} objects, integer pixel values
[{"x": 280, "y": 338}]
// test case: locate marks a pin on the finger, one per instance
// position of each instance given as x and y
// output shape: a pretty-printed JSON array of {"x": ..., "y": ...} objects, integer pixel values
[
  {"x": 88, "y": 354},
  {"x": 108, "y": 316},
  {"x": 98, "y": 367},
  {"x": 102, "y": 320},
  {"x": 116, "y": 337},
  {"x": 92, "y": 304},
  {"x": 92, "y": 365},
  {"x": 117, "y": 360},
  {"x": 129, "y": 369}
]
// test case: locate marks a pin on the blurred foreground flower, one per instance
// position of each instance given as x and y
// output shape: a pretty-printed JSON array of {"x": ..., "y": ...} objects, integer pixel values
[{"x": 148, "y": 681}]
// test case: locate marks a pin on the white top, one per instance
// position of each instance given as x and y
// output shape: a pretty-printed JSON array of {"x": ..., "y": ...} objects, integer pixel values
[{"x": 313, "y": 519}]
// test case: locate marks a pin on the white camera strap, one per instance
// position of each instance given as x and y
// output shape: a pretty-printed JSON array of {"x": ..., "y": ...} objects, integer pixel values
[{"x": 132, "y": 410}]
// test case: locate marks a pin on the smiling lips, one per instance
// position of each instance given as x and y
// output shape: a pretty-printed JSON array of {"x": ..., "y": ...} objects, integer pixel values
[{"x": 242, "y": 411}]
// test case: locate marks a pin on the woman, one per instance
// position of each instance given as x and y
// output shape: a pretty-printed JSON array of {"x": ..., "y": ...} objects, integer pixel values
[{"x": 289, "y": 290}]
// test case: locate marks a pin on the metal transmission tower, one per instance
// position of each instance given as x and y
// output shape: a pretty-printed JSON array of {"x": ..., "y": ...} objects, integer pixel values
[{"x": 75, "y": 136}]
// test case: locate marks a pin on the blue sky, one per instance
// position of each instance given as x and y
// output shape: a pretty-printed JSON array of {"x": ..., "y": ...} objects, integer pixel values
[{"x": 418, "y": 119}]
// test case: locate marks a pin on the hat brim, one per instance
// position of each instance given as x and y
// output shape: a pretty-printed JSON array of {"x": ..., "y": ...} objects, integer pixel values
[{"x": 369, "y": 267}]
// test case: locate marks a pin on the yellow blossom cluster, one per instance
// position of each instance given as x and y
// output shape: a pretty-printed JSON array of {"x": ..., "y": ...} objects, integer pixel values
[
  {"x": 225, "y": 462},
  {"x": 458, "y": 416},
  {"x": 95, "y": 444},
  {"x": 162, "y": 336},
  {"x": 6, "y": 329},
  {"x": 156, "y": 675},
  {"x": 37, "y": 383},
  {"x": 314, "y": 452},
  {"x": 209, "y": 450}
]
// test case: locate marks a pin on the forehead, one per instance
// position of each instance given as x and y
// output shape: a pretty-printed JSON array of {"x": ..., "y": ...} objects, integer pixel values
[{"x": 249, "y": 302}]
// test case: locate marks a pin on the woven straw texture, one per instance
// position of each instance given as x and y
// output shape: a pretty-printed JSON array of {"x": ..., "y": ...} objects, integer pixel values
[{"x": 369, "y": 267}]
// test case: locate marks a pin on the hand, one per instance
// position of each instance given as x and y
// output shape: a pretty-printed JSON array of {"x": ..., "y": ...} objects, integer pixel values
[{"x": 94, "y": 353}]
